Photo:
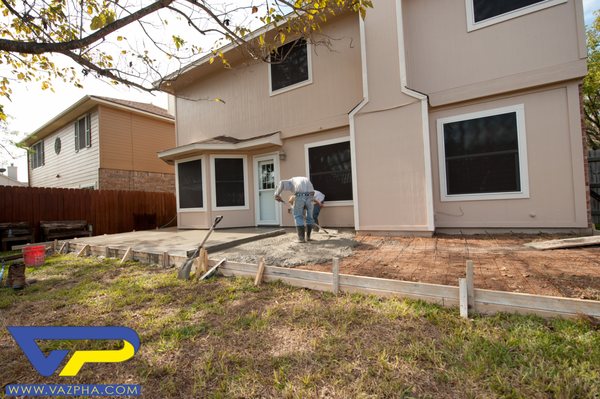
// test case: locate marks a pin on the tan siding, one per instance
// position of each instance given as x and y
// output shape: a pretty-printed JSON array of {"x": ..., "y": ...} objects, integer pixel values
[
  {"x": 442, "y": 56},
  {"x": 249, "y": 110},
  {"x": 76, "y": 169},
  {"x": 131, "y": 141},
  {"x": 555, "y": 162}
]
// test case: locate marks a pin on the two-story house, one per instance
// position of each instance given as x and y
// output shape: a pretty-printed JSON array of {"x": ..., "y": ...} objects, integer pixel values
[
  {"x": 427, "y": 115},
  {"x": 103, "y": 143}
]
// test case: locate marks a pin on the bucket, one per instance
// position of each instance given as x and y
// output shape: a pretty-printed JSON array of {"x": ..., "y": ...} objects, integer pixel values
[{"x": 34, "y": 255}]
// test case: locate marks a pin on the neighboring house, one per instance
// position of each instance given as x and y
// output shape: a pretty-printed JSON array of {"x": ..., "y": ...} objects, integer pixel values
[
  {"x": 103, "y": 143},
  {"x": 10, "y": 179},
  {"x": 428, "y": 115}
]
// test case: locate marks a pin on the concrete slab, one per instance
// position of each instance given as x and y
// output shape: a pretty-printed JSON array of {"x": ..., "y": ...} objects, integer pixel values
[{"x": 179, "y": 242}]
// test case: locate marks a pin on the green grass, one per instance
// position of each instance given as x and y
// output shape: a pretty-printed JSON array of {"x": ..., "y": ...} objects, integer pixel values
[{"x": 227, "y": 338}]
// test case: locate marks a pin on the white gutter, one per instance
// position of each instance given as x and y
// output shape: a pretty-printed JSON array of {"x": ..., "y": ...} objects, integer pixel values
[
  {"x": 424, "y": 115},
  {"x": 365, "y": 100}
]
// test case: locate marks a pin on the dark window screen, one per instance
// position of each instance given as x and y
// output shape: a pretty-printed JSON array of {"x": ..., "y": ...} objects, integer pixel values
[
  {"x": 229, "y": 181},
  {"x": 486, "y": 9},
  {"x": 331, "y": 170},
  {"x": 289, "y": 65},
  {"x": 482, "y": 155},
  {"x": 190, "y": 184}
]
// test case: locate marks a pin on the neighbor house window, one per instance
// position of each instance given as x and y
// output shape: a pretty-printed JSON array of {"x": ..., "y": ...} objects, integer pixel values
[
  {"x": 483, "y": 155},
  {"x": 290, "y": 66},
  {"x": 330, "y": 168},
  {"x": 482, "y": 13},
  {"x": 83, "y": 132},
  {"x": 190, "y": 184},
  {"x": 229, "y": 182},
  {"x": 37, "y": 155}
]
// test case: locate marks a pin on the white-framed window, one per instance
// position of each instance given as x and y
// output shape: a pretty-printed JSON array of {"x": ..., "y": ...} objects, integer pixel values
[
  {"x": 190, "y": 184},
  {"x": 83, "y": 132},
  {"x": 329, "y": 168},
  {"x": 37, "y": 155},
  {"x": 482, "y": 13},
  {"x": 229, "y": 177},
  {"x": 483, "y": 155},
  {"x": 290, "y": 66}
]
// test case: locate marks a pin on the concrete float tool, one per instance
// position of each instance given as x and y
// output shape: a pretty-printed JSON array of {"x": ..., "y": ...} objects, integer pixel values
[{"x": 186, "y": 268}]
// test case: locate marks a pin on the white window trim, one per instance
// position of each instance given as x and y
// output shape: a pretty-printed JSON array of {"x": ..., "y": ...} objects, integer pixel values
[
  {"x": 33, "y": 155},
  {"x": 213, "y": 185},
  {"x": 90, "y": 184},
  {"x": 307, "y": 166},
  {"x": 88, "y": 143},
  {"x": 472, "y": 25},
  {"x": 521, "y": 142},
  {"x": 177, "y": 162},
  {"x": 255, "y": 160},
  {"x": 295, "y": 85}
]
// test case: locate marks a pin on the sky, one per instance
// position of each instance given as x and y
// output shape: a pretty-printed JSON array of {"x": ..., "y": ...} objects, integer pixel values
[{"x": 31, "y": 107}]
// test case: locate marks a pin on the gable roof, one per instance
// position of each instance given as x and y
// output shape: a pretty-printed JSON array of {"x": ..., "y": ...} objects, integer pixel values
[{"x": 88, "y": 102}]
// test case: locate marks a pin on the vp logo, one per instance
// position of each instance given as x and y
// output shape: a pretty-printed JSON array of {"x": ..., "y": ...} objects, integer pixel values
[{"x": 47, "y": 365}]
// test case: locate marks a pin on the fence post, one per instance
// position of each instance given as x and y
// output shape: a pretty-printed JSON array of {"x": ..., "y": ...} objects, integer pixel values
[
  {"x": 462, "y": 298},
  {"x": 336, "y": 276}
]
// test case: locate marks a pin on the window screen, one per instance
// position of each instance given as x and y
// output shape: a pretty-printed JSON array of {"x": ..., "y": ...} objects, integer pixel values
[
  {"x": 289, "y": 65},
  {"x": 482, "y": 155},
  {"x": 189, "y": 178},
  {"x": 37, "y": 157},
  {"x": 331, "y": 170},
  {"x": 486, "y": 9},
  {"x": 83, "y": 133},
  {"x": 229, "y": 182}
]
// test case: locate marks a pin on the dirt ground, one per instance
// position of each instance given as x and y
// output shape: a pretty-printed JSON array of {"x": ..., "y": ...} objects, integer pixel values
[{"x": 501, "y": 262}]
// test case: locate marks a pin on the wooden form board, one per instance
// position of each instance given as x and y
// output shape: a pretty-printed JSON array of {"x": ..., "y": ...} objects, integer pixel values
[
  {"x": 486, "y": 301},
  {"x": 565, "y": 243}
]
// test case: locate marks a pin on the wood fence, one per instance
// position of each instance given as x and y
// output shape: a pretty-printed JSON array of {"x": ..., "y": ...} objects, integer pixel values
[
  {"x": 594, "y": 162},
  {"x": 107, "y": 211}
]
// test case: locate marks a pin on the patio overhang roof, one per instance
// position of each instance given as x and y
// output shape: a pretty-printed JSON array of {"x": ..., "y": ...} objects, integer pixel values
[{"x": 221, "y": 144}]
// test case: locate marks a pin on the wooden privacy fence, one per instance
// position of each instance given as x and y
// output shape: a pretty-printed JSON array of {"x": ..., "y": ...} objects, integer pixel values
[{"x": 107, "y": 211}]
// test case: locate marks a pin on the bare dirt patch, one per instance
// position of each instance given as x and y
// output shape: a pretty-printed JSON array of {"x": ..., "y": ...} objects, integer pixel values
[{"x": 502, "y": 262}]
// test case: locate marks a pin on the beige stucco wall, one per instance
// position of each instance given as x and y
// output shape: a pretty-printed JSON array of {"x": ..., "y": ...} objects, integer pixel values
[
  {"x": 555, "y": 163},
  {"x": 450, "y": 64},
  {"x": 129, "y": 141},
  {"x": 250, "y": 111}
]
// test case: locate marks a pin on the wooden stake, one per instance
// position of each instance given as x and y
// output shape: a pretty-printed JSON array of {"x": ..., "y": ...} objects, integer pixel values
[
  {"x": 107, "y": 252},
  {"x": 470, "y": 285},
  {"x": 83, "y": 250},
  {"x": 55, "y": 246},
  {"x": 260, "y": 271},
  {"x": 63, "y": 247},
  {"x": 166, "y": 263},
  {"x": 203, "y": 260},
  {"x": 462, "y": 298},
  {"x": 125, "y": 257},
  {"x": 336, "y": 276}
]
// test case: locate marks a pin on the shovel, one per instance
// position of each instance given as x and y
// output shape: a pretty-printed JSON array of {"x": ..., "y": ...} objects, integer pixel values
[{"x": 186, "y": 268}]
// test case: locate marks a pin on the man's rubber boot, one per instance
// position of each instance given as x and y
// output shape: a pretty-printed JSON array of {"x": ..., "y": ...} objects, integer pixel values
[
  {"x": 308, "y": 231},
  {"x": 300, "y": 231}
]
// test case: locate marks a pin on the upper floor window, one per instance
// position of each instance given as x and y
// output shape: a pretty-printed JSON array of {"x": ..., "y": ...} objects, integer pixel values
[
  {"x": 483, "y": 155},
  {"x": 37, "y": 157},
  {"x": 190, "y": 185},
  {"x": 83, "y": 132},
  {"x": 482, "y": 13},
  {"x": 290, "y": 66},
  {"x": 330, "y": 169}
]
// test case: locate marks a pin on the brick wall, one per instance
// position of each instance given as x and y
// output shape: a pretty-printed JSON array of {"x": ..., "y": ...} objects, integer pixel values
[
  {"x": 116, "y": 179},
  {"x": 586, "y": 165}
]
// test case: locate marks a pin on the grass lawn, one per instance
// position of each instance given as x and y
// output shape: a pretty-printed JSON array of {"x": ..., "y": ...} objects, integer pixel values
[{"x": 225, "y": 338}]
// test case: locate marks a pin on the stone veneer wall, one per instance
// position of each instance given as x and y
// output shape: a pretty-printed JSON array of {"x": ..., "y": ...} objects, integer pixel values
[{"x": 131, "y": 180}]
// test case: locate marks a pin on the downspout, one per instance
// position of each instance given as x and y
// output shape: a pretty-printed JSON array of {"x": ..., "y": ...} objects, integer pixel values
[
  {"x": 356, "y": 110},
  {"x": 424, "y": 115}
]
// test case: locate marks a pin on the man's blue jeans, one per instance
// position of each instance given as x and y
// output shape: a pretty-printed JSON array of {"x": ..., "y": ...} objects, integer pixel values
[{"x": 302, "y": 202}]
